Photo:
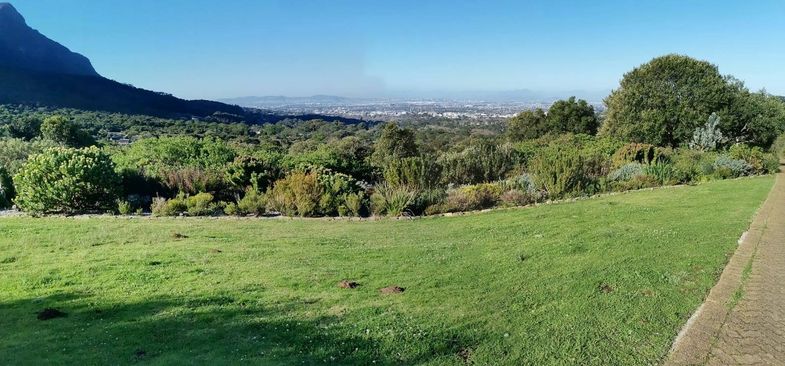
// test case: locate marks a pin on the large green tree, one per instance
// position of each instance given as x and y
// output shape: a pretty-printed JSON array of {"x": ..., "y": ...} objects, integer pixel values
[
  {"x": 65, "y": 132},
  {"x": 527, "y": 125},
  {"x": 394, "y": 143},
  {"x": 663, "y": 101},
  {"x": 571, "y": 115}
]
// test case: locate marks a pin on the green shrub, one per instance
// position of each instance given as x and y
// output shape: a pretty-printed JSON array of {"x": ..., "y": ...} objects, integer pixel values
[
  {"x": 7, "y": 192},
  {"x": 637, "y": 182},
  {"x": 201, "y": 204},
  {"x": 470, "y": 198},
  {"x": 778, "y": 147},
  {"x": 252, "y": 171},
  {"x": 480, "y": 163},
  {"x": 760, "y": 161},
  {"x": 392, "y": 200},
  {"x": 688, "y": 165},
  {"x": 298, "y": 194},
  {"x": 124, "y": 207},
  {"x": 355, "y": 204},
  {"x": 181, "y": 164},
  {"x": 15, "y": 152},
  {"x": 335, "y": 188},
  {"x": 65, "y": 180},
  {"x": 563, "y": 171},
  {"x": 663, "y": 173},
  {"x": 639, "y": 153},
  {"x": 422, "y": 172},
  {"x": 427, "y": 198},
  {"x": 252, "y": 203},
  {"x": 172, "y": 207}
]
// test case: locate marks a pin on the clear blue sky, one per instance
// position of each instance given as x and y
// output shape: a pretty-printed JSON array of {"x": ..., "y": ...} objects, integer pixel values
[{"x": 229, "y": 48}]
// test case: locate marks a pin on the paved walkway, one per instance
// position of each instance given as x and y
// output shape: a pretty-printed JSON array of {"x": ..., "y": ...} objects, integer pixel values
[{"x": 742, "y": 321}]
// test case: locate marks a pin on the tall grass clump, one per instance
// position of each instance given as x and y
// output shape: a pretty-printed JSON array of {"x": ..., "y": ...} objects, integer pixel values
[{"x": 392, "y": 200}]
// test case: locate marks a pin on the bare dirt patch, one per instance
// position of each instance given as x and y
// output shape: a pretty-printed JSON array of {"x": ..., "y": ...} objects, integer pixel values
[
  {"x": 392, "y": 290},
  {"x": 348, "y": 284}
]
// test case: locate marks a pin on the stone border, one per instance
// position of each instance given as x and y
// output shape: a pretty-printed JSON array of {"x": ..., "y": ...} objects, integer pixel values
[{"x": 694, "y": 342}]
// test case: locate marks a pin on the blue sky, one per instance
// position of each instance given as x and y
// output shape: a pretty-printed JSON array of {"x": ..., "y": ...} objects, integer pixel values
[{"x": 230, "y": 48}]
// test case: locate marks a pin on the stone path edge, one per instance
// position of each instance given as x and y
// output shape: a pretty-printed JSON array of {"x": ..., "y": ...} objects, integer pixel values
[{"x": 694, "y": 342}]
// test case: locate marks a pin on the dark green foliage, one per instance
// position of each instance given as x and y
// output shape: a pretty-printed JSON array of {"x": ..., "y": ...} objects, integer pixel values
[
  {"x": 422, "y": 172},
  {"x": 65, "y": 180},
  {"x": 252, "y": 203},
  {"x": 25, "y": 128},
  {"x": 571, "y": 116},
  {"x": 393, "y": 200},
  {"x": 7, "y": 191},
  {"x": 639, "y": 153},
  {"x": 258, "y": 171},
  {"x": 527, "y": 125},
  {"x": 182, "y": 164},
  {"x": 480, "y": 162},
  {"x": 663, "y": 101},
  {"x": 65, "y": 132},
  {"x": 394, "y": 143},
  {"x": 562, "y": 170}
]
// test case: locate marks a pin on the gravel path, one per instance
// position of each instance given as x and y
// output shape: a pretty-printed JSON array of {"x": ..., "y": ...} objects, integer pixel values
[{"x": 742, "y": 321}]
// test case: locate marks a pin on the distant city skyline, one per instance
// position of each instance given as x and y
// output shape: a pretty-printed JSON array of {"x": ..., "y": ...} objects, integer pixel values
[{"x": 354, "y": 48}]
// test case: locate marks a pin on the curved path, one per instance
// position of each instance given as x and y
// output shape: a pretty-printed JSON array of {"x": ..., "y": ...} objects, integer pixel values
[{"x": 742, "y": 321}]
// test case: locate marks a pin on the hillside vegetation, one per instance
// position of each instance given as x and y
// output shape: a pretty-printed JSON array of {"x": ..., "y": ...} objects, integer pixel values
[{"x": 605, "y": 281}]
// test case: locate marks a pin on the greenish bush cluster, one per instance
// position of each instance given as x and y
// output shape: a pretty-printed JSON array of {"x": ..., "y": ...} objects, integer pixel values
[
  {"x": 200, "y": 204},
  {"x": 328, "y": 168},
  {"x": 68, "y": 181}
]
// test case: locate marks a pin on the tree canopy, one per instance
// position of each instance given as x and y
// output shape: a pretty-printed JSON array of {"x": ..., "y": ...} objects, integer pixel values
[{"x": 663, "y": 101}]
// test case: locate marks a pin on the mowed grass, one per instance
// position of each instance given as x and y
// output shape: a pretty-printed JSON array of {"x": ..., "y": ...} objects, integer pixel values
[{"x": 602, "y": 281}]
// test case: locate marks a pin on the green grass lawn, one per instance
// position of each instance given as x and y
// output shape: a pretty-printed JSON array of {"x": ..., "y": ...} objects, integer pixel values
[{"x": 601, "y": 281}]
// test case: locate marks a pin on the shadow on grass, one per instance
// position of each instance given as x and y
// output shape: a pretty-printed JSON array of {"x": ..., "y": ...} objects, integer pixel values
[{"x": 218, "y": 330}]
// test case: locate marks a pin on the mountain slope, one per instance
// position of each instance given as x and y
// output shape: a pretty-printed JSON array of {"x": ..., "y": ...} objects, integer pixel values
[
  {"x": 24, "y": 47},
  {"x": 35, "y": 70}
]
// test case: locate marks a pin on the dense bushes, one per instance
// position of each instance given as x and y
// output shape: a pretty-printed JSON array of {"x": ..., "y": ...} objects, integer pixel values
[
  {"x": 7, "y": 192},
  {"x": 562, "y": 170},
  {"x": 478, "y": 163},
  {"x": 639, "y": 153},
  {"x": 180, "y": 164},
  {"x": 422, "y": 172},
  {"x": 66, "y": 180}
]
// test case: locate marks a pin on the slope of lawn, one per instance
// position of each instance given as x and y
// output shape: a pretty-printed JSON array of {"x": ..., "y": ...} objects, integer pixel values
[{"x": 602, "y": 281}]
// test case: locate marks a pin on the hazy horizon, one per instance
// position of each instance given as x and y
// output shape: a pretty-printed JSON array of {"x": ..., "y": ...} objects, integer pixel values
[{"x": 200, "y": 49}]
